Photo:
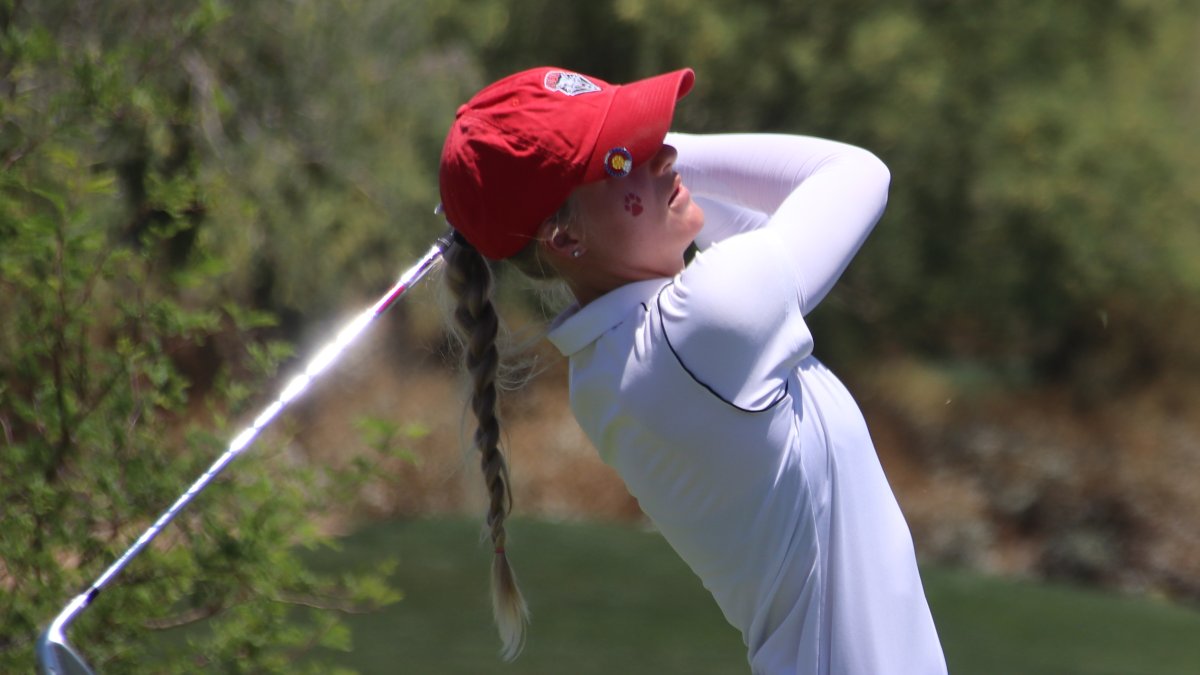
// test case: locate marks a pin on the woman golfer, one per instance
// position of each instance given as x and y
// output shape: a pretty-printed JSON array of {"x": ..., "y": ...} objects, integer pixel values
[{"x": 695, "y": 381}]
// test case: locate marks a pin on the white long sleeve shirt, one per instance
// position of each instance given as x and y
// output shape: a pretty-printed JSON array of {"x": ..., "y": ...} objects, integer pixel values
[{"x": 750, "y": 456}]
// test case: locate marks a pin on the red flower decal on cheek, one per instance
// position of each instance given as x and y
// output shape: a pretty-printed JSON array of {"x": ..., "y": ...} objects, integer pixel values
[{"x": 633, "y": 204}]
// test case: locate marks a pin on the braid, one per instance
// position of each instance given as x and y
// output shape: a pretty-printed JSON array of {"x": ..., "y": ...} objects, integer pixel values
[{"x": 470, "y": 281}]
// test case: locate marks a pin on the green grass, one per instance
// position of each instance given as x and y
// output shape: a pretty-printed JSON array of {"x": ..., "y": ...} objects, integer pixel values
[
  {"x": 614, "y": 599},
  {"x": 1001, "y": 626}
]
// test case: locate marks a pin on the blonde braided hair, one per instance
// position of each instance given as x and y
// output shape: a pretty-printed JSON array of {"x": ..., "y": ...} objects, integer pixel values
[{"x": 469, "y": 279}]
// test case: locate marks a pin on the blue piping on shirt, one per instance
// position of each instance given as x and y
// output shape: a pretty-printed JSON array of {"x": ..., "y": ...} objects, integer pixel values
[{"x": 663, "y": 327}]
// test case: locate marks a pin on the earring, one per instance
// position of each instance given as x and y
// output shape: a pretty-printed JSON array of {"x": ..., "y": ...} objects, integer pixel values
[{"x": 576, "y": 253}]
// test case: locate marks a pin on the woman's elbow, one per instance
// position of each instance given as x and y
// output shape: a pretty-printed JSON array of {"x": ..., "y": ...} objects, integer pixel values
[
  {"x": 866, "y": 168},
  {"x": 875, "y": 176},
  {"x": 875, "y": 170}
]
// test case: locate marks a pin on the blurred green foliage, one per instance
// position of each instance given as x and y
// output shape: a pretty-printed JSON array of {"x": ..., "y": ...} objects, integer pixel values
[
  {"x": 1045, "y": 183},
  {"x": 123, "y": 360}
]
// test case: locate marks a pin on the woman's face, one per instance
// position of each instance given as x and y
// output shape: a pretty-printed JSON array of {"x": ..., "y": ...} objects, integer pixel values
[{"x": 638, "y": 226}]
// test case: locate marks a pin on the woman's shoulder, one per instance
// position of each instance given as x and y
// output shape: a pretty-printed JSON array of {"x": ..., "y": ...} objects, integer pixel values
[{"x": 733, "y": 319}]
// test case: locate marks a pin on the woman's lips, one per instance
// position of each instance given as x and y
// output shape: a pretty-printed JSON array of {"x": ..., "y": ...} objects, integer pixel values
[{"x": 675, "y": 193}]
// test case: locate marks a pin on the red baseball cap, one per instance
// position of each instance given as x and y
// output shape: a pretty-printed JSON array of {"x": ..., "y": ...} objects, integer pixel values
[{"x": 519, "y": 147}]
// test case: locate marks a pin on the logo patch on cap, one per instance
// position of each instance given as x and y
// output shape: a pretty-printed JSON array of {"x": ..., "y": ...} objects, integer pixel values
[
  {"x": 618, "y": 162},
  {"x": 571, "y": 84}
]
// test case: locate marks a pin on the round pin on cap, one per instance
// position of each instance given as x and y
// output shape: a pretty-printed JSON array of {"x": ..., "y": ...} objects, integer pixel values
[{"x": 618, "y": 162}]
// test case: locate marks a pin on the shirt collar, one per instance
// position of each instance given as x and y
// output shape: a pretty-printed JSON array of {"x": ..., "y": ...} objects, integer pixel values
[{"x": 578, "y": 327}]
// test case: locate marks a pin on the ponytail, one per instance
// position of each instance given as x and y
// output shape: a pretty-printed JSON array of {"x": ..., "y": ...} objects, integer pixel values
[{"x": 469, "y": 279}]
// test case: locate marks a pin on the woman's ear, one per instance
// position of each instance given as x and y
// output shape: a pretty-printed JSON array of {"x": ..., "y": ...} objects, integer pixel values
[{"x": 559, "y": 240}]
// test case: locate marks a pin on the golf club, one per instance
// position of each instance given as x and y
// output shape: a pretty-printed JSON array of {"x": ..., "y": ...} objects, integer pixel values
[{"x": 54, "y": 654}]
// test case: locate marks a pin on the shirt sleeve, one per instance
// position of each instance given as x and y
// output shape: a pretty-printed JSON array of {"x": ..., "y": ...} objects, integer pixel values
[
  {"x": 823, "y": 197},
  {"x": 784, "y": 215}
]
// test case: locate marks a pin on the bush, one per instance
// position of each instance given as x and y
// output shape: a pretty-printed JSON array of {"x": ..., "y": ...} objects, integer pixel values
[{"x": 119, "y": 375}]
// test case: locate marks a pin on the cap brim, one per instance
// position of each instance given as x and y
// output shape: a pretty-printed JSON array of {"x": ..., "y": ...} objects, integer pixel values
[{"x": 639, "y": 117}]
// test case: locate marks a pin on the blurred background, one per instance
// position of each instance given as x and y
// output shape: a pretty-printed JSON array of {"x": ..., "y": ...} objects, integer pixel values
[{"x": 195, "y": 194}]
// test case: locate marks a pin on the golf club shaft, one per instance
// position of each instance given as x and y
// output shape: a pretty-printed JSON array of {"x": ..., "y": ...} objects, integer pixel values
[{"x": 318, "y": 364}]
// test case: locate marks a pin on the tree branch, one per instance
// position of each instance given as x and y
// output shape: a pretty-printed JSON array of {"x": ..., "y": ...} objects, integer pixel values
[
  {"x": 189, "y": 617},
  {"x": 325, "y": 603}
]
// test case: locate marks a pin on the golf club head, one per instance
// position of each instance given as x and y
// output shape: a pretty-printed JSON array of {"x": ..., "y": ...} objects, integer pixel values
[{"x": 55, "y": 656}]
